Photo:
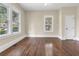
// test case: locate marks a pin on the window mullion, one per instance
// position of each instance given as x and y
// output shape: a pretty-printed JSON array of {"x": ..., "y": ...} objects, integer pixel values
[{"x": 10, "y": 17}]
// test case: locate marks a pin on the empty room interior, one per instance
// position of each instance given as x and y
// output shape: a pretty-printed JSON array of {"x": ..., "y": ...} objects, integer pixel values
[{"x": 39, "y": 29}]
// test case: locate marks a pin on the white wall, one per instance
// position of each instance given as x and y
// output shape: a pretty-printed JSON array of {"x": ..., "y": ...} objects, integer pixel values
[{"x": 35, "y": 20}]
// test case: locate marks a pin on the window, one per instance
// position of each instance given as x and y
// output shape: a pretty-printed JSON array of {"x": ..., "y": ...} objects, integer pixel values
[
  {"x": 15, "y": 21},
  {"x": 48, "y": 23},
  {"x": 9, "y": 21},
  {"x": 3, "y": 20}
]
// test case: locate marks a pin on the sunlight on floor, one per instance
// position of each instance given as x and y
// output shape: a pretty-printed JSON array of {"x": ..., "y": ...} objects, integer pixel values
[{"x": 49, "y": 49}]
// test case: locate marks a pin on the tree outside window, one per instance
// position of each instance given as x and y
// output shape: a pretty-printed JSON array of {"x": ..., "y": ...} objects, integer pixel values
[
  {"x": 15, "y": 22},
  {"x": 3, "y": 20}
]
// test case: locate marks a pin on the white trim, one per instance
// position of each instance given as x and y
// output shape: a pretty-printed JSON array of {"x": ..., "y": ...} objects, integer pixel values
[
  {"x": 8, "y": 35},
  {"x": 6, "y": 46},
  {"x": 37, "y": 35},
  {"x": 19, "y": 20},
  {"x": 32, "y": 35},
  {"x": 60, "y": 37},
  {"x": 74, "y": 38},
  {"x": 3, "y": 5},
  {"x": 9, "y": 10},
  {"x": 48, "y": 24},
  {"x": 4, "y": 35},
  {"x": 77, "y": 38}
]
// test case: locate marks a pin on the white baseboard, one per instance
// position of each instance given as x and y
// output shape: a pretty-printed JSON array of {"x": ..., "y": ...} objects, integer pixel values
[
  {"x": 77, "y": 38},
  {"x": 32, "y": 35},
  {"x": 60, "y": 37},
  {"x": 6, "y": 46},
  {"x": 74, "y": 38}
]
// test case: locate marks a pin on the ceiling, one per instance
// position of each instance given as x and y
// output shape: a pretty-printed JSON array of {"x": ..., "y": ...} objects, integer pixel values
[{"x": 45, "y": 6}]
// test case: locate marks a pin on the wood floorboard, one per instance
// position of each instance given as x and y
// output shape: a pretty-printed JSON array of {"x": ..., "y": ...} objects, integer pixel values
[{"x": 37, "y": 47}]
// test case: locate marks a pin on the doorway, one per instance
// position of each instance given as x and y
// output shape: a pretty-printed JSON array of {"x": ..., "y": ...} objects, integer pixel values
[{"x": 69, "y": 27}]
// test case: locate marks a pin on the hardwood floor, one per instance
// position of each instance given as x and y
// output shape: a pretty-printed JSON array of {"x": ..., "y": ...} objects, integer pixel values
[{"x": 43, "y": 47}]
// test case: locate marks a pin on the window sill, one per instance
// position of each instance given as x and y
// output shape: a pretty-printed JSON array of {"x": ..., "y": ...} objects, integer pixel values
[
  {"x": 9, "y": 35},
  {"x": 2, "y": 36}
]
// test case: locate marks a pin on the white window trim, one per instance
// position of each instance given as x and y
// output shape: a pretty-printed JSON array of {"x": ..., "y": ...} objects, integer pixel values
[
  {"x": 10, "y": 25},
  {"x": 17, "y": 11},
  {"x": 7, "y": 19},
  {"x": 45, "y": 24}
]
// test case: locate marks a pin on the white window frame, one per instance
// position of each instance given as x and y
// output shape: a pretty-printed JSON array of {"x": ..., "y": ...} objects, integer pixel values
[
  {"x": 7, "y": 19},
  {"x": 9, "y": 11},
  {"x": 19, "y": 13},
  {"x": 46, "y": 24}
]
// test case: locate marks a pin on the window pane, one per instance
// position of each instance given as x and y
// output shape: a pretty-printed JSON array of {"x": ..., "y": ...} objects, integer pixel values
[
  {"x": 15, "y": 22},
  {"x": 48, "y": 27},
  {"x": 48, "y": 20},
  {"x": 48, "y": 24},
  {"x": 3, "y": 20}
]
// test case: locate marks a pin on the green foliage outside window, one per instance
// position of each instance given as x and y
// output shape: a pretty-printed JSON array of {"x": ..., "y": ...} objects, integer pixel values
[
  {"x": 2, "y": 31},
  {"x": 15, "y": 28},
  {"x": 3, "y": 20}
]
